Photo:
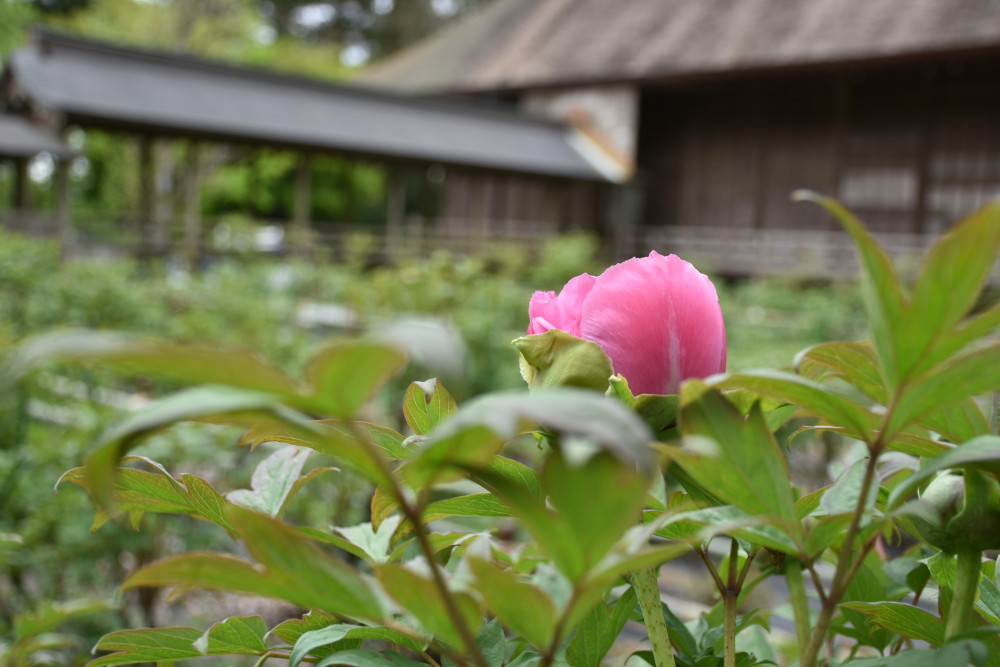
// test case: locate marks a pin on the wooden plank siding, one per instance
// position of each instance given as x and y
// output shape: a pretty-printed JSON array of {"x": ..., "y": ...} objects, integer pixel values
[{"x": 910, "y": 149}]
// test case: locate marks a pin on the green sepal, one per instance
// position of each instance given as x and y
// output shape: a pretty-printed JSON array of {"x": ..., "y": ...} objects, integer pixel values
[{"x": 555, "y": 358}]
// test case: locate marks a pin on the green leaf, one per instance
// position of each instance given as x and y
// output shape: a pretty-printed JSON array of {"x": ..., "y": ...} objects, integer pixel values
[
  {"x": 884, "y": 297},
  {"x": 525, "y": 609},
  {"x": 272, "y": 481},
  {"x": 235, "y": 635},
  {"x": 346, "y": 374},
  {"x": 375, "y": 545},
  {"x": 50, "y": 615},
  {"x": 476, "y": 504},
  {"x": 147, "y": 645},
  {"x": 956, "y": 379},
  {"x": 958, "y": 422},
  {"x": 240, "y": 635},
  {"x": 289, "y": 631},
  {"x": 598, "y": 500},
  {"x": 740, "y": 461},
  {"x": 553, "y": 535},
  {"x": 903, "y": 619},
  {"x": 202, "y": 403},
  {"x": 982, "y": 453},
  {"x": 292, "y": 568},
  {"x": 473, "y": 436},
  {"x": 557, "y": 359},
  {"x": 816, "y": 399},
  {"x": 698, "y": 526},
  {"x": 140, "y": 491},
  {"x": 492, "y": 643},
  {"x": 368, "y": 658},
  {"x": 951, "y": 278},
  {"x": 599, "y": 630},
  {"x": 191, "y": 364},
  {"x": 336, "y": 634},
  {"x": 206, "y": 501},
  {"x": 843, "y": 496},
  {"x": 427, "y": 404},
  {"x": 420, "y": 596},
  {"x": 855, "y": 363},
  {"x": 346, "y": 441},
  {"x": 825, "y": 532}
]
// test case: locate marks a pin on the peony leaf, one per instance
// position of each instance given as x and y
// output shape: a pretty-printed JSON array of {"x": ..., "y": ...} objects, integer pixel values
[
  {"x": 272, "y": 481},
  {"x": 427, "y": 404},
  {"x": 903, "y": 619},
  {"x": 855, "y": 363},
  {"x": 522, "y": 607},
  {"x": 736, "y": 458},
  {"x": 884, "y": 296},
  {"x": 346, "y": 374},
  {"x": 419, "y": 596}
]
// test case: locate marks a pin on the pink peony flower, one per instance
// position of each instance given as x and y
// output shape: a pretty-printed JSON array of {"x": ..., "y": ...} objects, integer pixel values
[{"x": 657, "y": 318}]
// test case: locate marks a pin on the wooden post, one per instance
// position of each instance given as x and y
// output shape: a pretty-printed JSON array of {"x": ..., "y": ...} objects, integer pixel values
[
  {"x": 395, "y": 211},
  {"x": 63, "y": 224},
  {"x": 299, "y": 241},
  {"x": 147, "y": 190},
  {"x": 192, "y": 207},
  {"x": 162, "y": 209},
  {"x": 22, "y": 185}
]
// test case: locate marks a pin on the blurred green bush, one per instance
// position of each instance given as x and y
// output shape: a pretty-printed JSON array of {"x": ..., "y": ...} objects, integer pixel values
[{"x": 48, "y": 423}]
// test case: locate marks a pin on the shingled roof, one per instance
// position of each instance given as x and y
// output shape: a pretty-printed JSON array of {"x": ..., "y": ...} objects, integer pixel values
[
  {"x": 518, "y": 44},
  {"x": 96, "y": 84},
  {"x": 19, "y": 138}
]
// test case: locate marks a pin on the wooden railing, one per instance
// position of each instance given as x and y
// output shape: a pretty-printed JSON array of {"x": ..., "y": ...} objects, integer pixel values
[{"x": 819, "y": 254}]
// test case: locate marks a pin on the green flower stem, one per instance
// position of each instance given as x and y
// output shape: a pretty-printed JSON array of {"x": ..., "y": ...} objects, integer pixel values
[
  {"x": 647, "y": 588},
  {"x": 730, "y": 598},
  {"x": 800, "y": 602},
  {"x": 995, "y": 413},
  {"x": 412, "y": 513},
  {"x": 848, "y": 562},
  {"x": 969, "y": 566}
]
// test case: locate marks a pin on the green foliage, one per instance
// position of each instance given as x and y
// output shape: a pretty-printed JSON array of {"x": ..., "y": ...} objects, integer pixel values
[{"x": 483, "y": 550}]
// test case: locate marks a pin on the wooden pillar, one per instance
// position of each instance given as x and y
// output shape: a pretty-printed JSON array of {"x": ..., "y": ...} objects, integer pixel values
[
  {"x": 192, "y": 246},
  {"x": 299, "y": 232},
  {"x": 63, "y": 223},
  {"x": 22, "y": 185},
  {"x": 395, "y": 211},
  {"x": 147, "y": 190},
  {"x": 162, "y": 208}
]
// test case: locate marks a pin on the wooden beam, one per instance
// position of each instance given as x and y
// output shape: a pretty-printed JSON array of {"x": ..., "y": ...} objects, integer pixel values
[{"x": 299, "y": 241}]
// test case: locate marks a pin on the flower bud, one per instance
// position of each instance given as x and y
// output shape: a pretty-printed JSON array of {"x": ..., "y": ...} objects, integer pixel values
[
  {"x": 968, "y": 511},
  {"x": 657, "y": 318}
]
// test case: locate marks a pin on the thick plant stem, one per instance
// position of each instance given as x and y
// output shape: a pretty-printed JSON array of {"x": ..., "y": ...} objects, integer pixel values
[
  {"x": 845, "y": 557},
  {"x": 420, "y": 532},
  {"x": 800, "y": 601},
  {"x": 730, "y": 596},
  {"x": 969, "y": 566},
  {"x": 647, "y": 589}
]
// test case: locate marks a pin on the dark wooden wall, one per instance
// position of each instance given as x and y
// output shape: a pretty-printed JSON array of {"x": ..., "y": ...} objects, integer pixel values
[{"x": 911, "y": 148}]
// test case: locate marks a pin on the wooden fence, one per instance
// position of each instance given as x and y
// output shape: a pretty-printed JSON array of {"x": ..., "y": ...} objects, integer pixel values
[{"x": 735, "y": 252}]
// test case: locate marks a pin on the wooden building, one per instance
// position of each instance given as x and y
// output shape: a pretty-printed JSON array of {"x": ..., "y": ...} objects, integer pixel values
[
  {"x": 721, "y": 108},
  {"x": 59, "y": 81}
]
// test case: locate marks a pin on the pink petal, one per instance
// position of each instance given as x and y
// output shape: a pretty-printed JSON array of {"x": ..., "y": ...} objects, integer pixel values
[
  {"x": 659, "y": 320},
  {"x": 548, "y": 311}
]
